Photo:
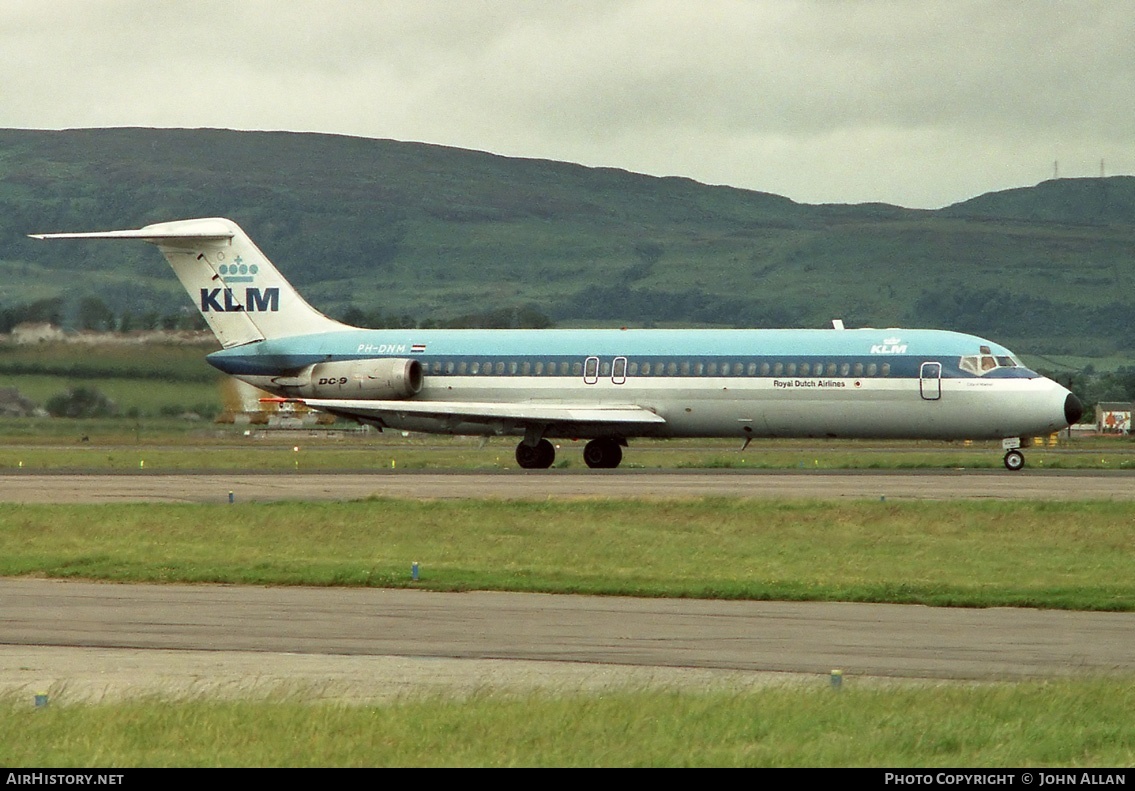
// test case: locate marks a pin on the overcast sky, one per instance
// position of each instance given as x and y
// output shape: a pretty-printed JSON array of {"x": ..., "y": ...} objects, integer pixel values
[{"x": 920, "y": 103}]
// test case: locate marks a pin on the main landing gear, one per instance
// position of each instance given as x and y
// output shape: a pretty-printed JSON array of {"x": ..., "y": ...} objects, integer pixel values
[
  {"x": 535, "y": 457},
  {"x": 603, "y": 454}
]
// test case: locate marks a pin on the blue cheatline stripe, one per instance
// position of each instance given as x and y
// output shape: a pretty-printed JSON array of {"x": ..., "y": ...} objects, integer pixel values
[
  {"x": 644, "y": 366},
  {"x": 903, "y": 350}
]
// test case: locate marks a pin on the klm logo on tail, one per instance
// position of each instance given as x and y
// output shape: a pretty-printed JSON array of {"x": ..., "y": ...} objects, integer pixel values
[{"x": 221, "y": 300}]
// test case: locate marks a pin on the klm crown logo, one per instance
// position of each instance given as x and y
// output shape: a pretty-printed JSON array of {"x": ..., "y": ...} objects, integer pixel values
[
  {"x": 238, "y": 271},
  {"x": 224, "y": 300}
]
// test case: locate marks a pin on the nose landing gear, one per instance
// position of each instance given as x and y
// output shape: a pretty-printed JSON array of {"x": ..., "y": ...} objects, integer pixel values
[{"x": 1014, "y": 460}]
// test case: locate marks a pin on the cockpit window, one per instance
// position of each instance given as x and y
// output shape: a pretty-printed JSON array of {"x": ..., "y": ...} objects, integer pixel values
[{"x": 981, "y": 364}]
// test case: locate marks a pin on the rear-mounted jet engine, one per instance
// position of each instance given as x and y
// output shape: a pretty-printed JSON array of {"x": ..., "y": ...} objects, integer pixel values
[{"x": 380, "y": 379}]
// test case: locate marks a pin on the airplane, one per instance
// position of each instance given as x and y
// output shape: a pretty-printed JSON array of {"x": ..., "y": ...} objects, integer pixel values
[{"x": 604, "y": 385}]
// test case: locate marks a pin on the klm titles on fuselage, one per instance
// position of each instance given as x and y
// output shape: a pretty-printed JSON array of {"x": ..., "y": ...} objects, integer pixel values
[
  {"x": 889, "y": 346},
  {"x": 221, "y": 300}
]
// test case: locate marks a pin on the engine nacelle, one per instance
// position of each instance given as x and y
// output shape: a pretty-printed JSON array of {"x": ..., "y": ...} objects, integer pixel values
[{"x": 374, "y": 379}]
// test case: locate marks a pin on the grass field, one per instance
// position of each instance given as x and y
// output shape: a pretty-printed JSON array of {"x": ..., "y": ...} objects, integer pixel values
[
  {"x": 141, "y": 379},
  {"x": 1067, "y": 723},
  {"x": 1058, "y": 555}
]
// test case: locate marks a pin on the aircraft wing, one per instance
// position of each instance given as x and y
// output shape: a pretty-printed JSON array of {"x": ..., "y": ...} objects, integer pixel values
[{"x": 489, "y": 412}]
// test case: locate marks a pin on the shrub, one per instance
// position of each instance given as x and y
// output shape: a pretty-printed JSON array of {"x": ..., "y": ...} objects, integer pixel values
[{"x": 81, "y": 402}]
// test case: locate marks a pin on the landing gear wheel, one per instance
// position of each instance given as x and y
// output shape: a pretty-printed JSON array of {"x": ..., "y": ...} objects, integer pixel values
[
  {"x": 535, "y": 457},
  {"x": 1014, "y": 460},
  {"x": 602, "y": 454}
]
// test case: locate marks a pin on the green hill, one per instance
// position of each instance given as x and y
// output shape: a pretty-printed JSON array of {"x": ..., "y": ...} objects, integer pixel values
[{"x": 435, "y": 233}]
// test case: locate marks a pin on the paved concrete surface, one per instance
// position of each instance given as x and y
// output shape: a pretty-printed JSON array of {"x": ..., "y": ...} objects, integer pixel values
[
  {"x": 95, "y": 640},
  {"x": 215, "y": 487}
]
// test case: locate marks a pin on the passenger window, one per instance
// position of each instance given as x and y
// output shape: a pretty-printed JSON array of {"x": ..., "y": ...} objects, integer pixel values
[
  {"x": 632, "y": 369},
  {"x": 859, "y": 369},
  {"x": 672, "y": 369},
  {"x": 699, "y": 369},
  {"x": 752, "y": 369},
  {"x": 765, "y": 368},
  {"x": 711, "y": 369},
  {"x": 778, "y": 369},
  {"x": 646, "y": 369},
  {"x": 474, "y": 368},
  {"x": 605, "y": 369},
  {"x": 791, "y": 369},
  {"x": 831, "y": 369},
  {"x": 872, "y": 369},
  {"x": 525, "y": 368},
  {"x": 577, "y": 369},
  {"x": 512, "y": 367},
  {"x": 886, "y": 371},
  {"x": 845, "y": 369},
  {"x": 804, "y": 369},
  {"x": 685, "y": 367}
]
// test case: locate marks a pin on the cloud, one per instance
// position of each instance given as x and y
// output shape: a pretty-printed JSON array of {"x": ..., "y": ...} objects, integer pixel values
[{"x": 907, "y": 101}]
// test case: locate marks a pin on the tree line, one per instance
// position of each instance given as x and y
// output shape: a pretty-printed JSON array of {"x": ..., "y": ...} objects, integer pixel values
[{"x": 92, "y": 313}]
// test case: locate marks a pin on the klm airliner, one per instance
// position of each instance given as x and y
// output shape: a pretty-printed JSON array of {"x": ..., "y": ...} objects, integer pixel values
[{"x": 606, "y": 386}]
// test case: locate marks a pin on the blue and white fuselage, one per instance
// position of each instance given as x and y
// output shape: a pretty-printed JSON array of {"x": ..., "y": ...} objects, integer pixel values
[
  {"x": 604, "y": 385},
  {"x": 702, "y": 383}
]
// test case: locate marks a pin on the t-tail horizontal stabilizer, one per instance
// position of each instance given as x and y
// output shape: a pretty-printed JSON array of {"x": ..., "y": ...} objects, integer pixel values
[{"x": 241, "y": 295}]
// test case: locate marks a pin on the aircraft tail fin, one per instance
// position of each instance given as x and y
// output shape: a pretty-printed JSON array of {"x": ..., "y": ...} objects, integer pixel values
[{"x": 238, "y": 291}]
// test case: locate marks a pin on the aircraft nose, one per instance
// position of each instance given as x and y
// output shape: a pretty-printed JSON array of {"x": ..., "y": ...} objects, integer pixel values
[{"x": 1073, "y": 409}]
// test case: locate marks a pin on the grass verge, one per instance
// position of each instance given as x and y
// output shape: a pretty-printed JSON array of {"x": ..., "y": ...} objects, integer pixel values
[
  {"x": 976, "y": 554},
  {"x": 1065, "y": 723}
]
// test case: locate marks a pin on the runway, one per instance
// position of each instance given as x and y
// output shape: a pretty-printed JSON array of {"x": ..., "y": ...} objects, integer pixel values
[
  {"x": 83, "y": 636},
  {"x": 101, "y": 641},
  {"x": 211, "y": 487}
]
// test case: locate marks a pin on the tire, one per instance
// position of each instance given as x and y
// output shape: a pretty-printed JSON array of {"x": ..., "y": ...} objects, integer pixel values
[
  {"x": 1014, "y": 460},
  {"x": 602, "y": 454},
  {"x": 536, "y": 457}
]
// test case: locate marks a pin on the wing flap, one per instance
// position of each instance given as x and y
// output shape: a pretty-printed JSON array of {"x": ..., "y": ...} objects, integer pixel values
[{"x": 487, "y": 412}]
